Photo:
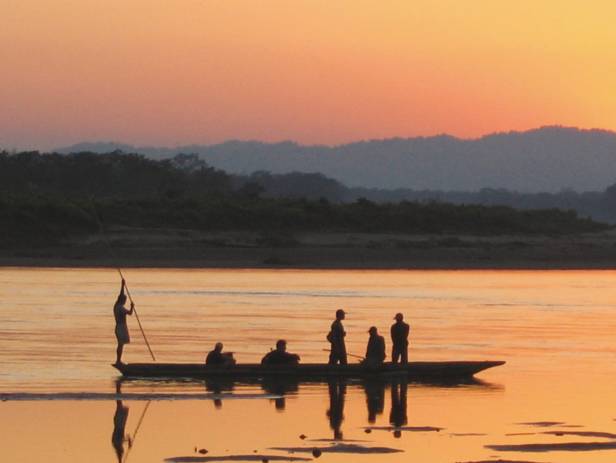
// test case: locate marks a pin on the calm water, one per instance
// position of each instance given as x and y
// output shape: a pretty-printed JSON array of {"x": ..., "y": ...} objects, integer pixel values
[{"x": 555, "y": 329}]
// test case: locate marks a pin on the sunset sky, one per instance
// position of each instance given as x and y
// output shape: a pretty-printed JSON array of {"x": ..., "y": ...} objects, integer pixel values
[{"x": 169, "y": 72}]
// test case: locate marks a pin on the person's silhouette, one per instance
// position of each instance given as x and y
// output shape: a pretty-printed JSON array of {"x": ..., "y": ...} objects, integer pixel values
[
  {"x": 121, "y": 328},
  {"x": 400, "y": 340},
  {"x": 335, "y": 337}
]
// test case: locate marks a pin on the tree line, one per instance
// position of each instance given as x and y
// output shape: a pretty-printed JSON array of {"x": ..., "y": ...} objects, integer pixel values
[{"x": 46, "y": 197}]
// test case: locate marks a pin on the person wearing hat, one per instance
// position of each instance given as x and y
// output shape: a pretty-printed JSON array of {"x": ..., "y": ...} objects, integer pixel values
[
  {"x": 400, "y": 340},
  {"x": 375, "y": 352},
  {"x": 335, "y": 337}
]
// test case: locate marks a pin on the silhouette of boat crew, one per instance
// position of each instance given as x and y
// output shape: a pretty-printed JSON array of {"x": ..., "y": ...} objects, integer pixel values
[
  {"x": 335, "y": 337},
  {"x": 217, "y": 357},
  {"x": 400, "y": 340},
  {"x": 121, "y": 329},
  {"x": 375, "y": 351},
  {"x": 280, "y": 356}
]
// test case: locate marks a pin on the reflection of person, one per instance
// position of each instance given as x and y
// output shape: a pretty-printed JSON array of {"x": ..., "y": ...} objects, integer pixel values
[
  {"x": 119, "y": 426},
  {"x": 280, "y": 356},
  {"x": 216, "y": 357},
  {"x": 337, "y": 391},
  {"x": 375, "y": 352},
  {"x": 218, "y": 386},
  {"x": 336, "y": 338},
  {"x": 281, "y": 387},
  {"x": 375, "y": 398},
  {"x": 400, "y": 340},
  {"x": 397, "y": 416},
  {"x": 121, "y": 329}
]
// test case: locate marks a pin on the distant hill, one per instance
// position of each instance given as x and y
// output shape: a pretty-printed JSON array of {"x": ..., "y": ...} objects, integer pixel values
[{"x": 548, "y": 159}]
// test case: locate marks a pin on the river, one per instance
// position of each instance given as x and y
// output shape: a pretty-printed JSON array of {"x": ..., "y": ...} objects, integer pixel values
[{"x": 552, "y": 401}]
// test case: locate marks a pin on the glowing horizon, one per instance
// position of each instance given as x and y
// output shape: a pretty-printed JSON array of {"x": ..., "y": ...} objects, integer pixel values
[{"x": 315, "y": 72}]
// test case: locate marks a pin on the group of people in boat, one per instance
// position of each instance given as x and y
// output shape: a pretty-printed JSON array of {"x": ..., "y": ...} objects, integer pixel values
[{"x": 375, "y": 350}]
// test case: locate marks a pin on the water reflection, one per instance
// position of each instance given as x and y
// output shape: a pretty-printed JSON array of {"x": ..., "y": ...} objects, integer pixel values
[
  {"x": 280, "y": 387},
  {"x": 375, "y": 398},
  {"x": 397, "y": 415},
  {"x": 218, "y": 386},
  {"x": 373, "y": 390},
  {"x": 335, "y": 413},
  {"x": 119, "y": 427},
  {"x": 119, "y": 436}
]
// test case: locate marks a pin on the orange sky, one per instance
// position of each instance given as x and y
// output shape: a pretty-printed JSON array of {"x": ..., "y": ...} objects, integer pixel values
[{"x": 168, "y": 72}]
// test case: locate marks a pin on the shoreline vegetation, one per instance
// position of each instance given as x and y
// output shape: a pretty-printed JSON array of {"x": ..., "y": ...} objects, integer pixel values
[
  {"x": 183, "y": 213},
  {"x": 180, "y": 248}
]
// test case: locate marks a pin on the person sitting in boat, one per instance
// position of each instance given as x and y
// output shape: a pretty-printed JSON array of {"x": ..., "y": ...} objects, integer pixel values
[
  {"x": 219, "y": 358},
  {"x": 121, "y": 329},
  {"x": 375, "y": 352},
  {"x": 280, "y": 356}
]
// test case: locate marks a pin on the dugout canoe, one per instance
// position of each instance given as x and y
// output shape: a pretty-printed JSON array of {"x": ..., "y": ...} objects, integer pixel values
[{"x": 413, "y": 371}]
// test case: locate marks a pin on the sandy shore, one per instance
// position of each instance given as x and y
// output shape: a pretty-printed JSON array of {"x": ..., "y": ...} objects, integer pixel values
[{"x": 194, "y": 249}]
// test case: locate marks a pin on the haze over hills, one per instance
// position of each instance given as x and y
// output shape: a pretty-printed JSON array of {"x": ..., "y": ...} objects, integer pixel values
[{"x": 548, "y": 159}]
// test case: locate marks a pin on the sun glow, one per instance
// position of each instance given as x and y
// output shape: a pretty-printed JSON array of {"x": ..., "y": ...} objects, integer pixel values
[{"x": 196, "y": 71}]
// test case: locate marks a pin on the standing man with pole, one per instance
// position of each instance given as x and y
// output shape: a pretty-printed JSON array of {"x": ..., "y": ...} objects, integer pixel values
[
  {"x": 132, "y": 308},
  {"x": 335, "y": 337},
  {"x": 120, "y": 315},
  {"x": 121, "y": 329},
  {"x": 400, "y": 340}
]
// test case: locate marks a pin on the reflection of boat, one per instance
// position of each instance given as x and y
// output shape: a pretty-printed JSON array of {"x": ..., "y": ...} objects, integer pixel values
[{"x": 413, "y": 371}]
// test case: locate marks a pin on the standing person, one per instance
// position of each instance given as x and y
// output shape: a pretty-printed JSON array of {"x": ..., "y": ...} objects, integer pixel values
[
  {"x": 336, "y": 339},
  {"x": 375, "y": 352},
  {"x": 400, "y": 340},
  {"x": 121, "y": 329}
]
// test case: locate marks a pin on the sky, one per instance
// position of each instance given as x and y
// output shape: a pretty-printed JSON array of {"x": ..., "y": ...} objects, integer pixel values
[{"x": 162, "y": 72}]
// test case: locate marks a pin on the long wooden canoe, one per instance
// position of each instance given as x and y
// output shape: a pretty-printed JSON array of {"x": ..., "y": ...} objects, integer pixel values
[{"x": 413, "y": 371}]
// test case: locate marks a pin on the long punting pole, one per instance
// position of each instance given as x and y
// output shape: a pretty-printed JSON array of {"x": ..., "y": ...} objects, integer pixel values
[
  {"x": 132, "y": 442},
  {"x": 145, "y": 338},
  {"x": 102, "y": 230}
]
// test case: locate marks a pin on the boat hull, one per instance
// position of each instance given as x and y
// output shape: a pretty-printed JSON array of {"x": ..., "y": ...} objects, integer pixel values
[{"x": 413, "y": 371}]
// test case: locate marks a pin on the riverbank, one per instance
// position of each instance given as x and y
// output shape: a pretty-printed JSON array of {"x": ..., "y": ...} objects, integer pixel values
[{"x": 171, "y": 248}]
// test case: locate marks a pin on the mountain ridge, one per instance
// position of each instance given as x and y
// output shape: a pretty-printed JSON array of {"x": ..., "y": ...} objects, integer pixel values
[{"x": 545, "y": 159}]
